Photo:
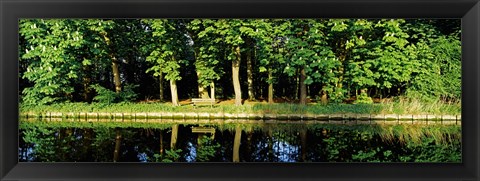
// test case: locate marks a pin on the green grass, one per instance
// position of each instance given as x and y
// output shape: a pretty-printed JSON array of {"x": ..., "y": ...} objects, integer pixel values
[
  {"x": 394, "y": 107},
  {"x": 414, "y": 106}
]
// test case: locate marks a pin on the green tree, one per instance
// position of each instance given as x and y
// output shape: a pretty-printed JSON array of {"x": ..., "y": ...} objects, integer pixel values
[
  {"x": 50, "y": 47},
  {"x": 170, "y": 40},
  {"x": 202, "y": 32},
  {"x": 234, "y": 32}
]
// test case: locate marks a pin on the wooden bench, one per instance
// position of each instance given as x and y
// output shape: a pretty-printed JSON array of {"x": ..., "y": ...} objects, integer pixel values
[{"x": 200, "y": 101}]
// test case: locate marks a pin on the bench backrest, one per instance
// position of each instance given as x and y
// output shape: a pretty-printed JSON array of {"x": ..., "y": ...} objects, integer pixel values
[{"x": 203, "y": 100}]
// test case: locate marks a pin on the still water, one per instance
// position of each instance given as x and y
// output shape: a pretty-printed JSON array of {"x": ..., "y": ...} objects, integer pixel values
[{"x": 235, "y": 142}]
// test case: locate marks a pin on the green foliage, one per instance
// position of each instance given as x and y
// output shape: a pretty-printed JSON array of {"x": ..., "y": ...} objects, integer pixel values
[
  {"x": 107, "y": 96},
  {"x": 167, "y": 47},
  {"x": 170, "y": 156},
  {"x": 363, "y": 98},
  {"x": 43, "y": 145},
  {"x": 413, "y": 58},
  {"x": 128, "y": 94},
  {"x": 206, "y": 149},
  {"x": 104, "y": 95},
  {"x": 331, "y": 142}
]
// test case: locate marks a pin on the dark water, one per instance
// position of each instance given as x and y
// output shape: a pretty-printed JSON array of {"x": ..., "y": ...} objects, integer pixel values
[{"x": 235, "y": 143}]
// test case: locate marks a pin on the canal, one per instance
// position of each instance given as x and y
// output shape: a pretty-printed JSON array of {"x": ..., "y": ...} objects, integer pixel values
[{"x": 74, "y": 141}]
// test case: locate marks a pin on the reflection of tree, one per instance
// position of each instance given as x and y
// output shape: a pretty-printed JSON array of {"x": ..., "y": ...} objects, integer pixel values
[
  {"x": 173, "y": 140},
  {"x": 161, "y": 142},
  {"x": 206, "y": 148},
  {"x": 303, "y": 139},
  {"x": 118, "y": 142},
  {"x": 236, "y": 144},
  {"x": 272, "y": 143}
]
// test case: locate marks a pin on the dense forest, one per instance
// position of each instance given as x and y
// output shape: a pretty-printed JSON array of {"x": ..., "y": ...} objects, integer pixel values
[{"x": 272, "y": 60}]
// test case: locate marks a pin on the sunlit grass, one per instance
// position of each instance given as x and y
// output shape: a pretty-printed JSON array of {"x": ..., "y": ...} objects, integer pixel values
[
  {"x": 414, "y": 106},
  {"x": 400, "y": 106}
]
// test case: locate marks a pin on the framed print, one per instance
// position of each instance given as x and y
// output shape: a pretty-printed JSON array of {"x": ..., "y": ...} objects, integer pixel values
[{"x": 239, "y": 90}]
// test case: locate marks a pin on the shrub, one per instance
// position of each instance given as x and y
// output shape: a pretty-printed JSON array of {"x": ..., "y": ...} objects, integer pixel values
[{"x": 363, "y": 98}]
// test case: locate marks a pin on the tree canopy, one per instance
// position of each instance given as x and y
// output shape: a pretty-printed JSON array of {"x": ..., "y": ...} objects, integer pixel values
[{"x": 301, "y": 60}]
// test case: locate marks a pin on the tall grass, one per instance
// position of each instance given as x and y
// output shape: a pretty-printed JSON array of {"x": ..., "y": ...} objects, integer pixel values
[
  {"x": 405, "y": 105},
  {"x": 415, "y": 133}
]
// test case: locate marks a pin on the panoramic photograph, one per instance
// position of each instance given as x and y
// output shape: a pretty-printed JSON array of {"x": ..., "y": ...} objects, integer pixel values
[{"x": 240, "y": 90}]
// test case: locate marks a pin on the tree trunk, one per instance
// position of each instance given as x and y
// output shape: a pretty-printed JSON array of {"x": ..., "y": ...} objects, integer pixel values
[
  {"x": 173, "y": 140},
  {"x": 86, "y": 84},
  {"x": 116, "y": 72},
  {"x": 324, "y": 98},
  {"x": 235, "y": 76},
  {"x": 161, "y": 143},
  {"x": 270, "y": 154},
  {"x": 199, "y": 141},
  {"x": 251, "y": 93},
  {"x": 173, "y": 91},
  {"x": 118, "y": 141},
  {"x": 236, "y": 144},
  {"x": 202, "y": 91},
  {"x": 87, "y": 141},
  {"x": 303, "y": 87},
  {"x": 212, "y": 90},
  {"x": 161, "y": 88},
  {"x": 270, "y": 87},
  {"x": 116, "y": 75},
  {"x": 250, "y": 145}
]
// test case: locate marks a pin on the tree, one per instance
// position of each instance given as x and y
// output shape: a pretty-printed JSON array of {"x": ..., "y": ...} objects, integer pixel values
[
  {"x": 233, "y": 32},
  {"x": 308, "y": 54},
  {"x": 50, "y": 47},
  {"x": 170, "y": 38},
  {"x": 202, "y": 32}
]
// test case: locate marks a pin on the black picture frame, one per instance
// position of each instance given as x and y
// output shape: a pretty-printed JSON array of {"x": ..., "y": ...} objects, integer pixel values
[{"x": 12, "y": 10}]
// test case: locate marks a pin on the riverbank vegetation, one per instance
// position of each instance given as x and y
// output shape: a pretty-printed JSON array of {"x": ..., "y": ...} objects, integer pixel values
[
  {"x": 296, "y": 65},
  {"x": 401, "y": 107}
]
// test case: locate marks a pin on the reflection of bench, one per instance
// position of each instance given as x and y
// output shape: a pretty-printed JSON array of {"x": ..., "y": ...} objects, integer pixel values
[
  {"x": 203, "y": 130},
  {"x": 199, "y": 101}
]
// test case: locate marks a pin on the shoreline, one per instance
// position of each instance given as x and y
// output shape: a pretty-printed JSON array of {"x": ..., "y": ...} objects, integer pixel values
[{"x": 243, "y": 117}]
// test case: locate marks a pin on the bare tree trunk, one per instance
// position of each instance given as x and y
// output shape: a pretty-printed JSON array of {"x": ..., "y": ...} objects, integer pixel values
[
  {"x": 161, "y": 143},
  {"x": 212, "y": 90},
  {"x": 303, "y": 87},
  {"x": 173, "y": 91},
  {"x": 86, "y": 84},
  {"x": 116, "y": 75},
  {"x": 199, "y": 141},
  {"x": 270, "y": 87},
  {"x": 173, "y": 140},
  {"x": 202, "y": 91},
  {"x": 251, "y": 93},
  {"x": 236, "y": 144},
  {"x": 118, "y": 142},
  {"x": 161, "y": 88},
  {"x": 297, "y": 85},
  {"x": 116, "y": 72},
  {"x": 235, "y": 76},
  {"x": 324, "y": 98}
]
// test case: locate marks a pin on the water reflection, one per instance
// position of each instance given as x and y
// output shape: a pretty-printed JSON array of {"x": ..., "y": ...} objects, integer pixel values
[{"x": 262, "y": 142}]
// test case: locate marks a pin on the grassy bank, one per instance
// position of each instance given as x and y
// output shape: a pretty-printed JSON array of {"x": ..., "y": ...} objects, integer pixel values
[{"x": 393, "y": 107}]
